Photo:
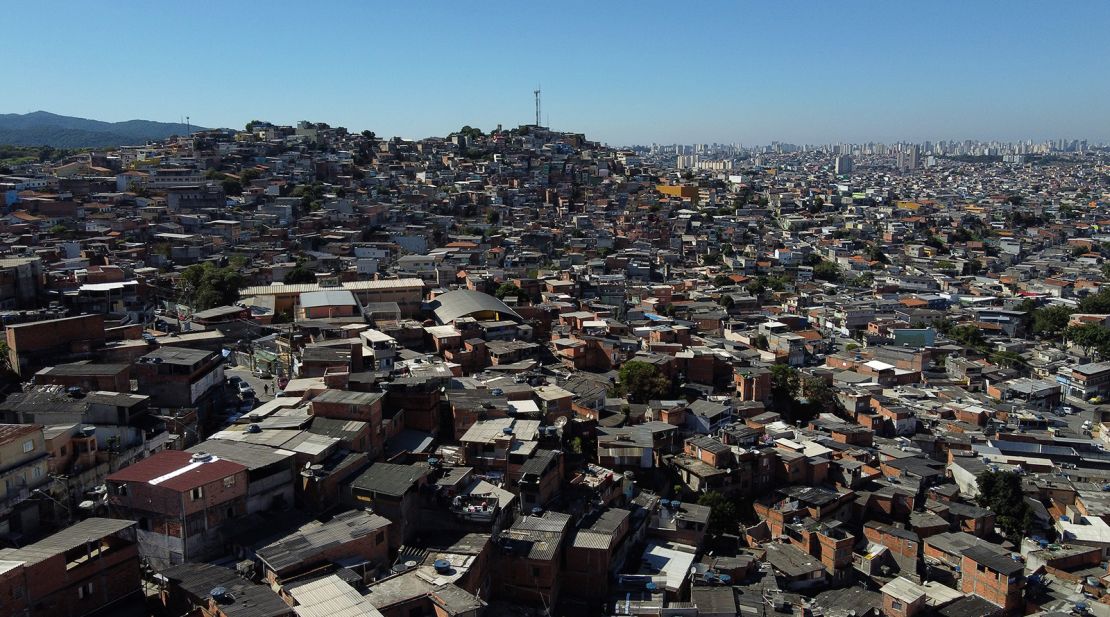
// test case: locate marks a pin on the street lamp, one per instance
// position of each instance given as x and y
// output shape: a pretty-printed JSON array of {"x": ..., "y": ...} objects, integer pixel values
[{"x": 42, "y": 493}]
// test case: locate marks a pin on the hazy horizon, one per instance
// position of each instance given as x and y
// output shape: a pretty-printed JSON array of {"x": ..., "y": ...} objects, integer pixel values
[{"x": 622, "y": 73}]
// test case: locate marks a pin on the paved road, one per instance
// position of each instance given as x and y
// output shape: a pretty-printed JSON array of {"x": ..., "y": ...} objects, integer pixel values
[{"x": 254, "y": 382}]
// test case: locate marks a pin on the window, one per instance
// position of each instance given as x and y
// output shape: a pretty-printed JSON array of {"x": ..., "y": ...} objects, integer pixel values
[
  {"x": 84, "y": 591},
  {"x": 380, "y": 538},
  {"x": 62, "y": 452},
  {"x": 196, "y": 493},
  {"x": 29, "y": 445},
  {"x": 36, "y": 473},
  {"x": 229, "y": 481},
  {"x": 121, "y": 490},
  {"x": 896, "y": 605}
]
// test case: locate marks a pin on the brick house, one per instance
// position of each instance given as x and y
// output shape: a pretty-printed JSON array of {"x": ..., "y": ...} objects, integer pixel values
[
  {"x": 78, "y": 571},
  {"x": 393, "y": 492},
  {"x": 902, "y": 598},
  {"x": 349, "y": 536},
  {"x": 530, "y": 562},
  {"x": 181, "y": 502},
  {"x": 361, "y": 406},
  {"x": 904, "y": 545},
  {"x": 34, "y": 345},
  {"x": 993, "y": 576}
]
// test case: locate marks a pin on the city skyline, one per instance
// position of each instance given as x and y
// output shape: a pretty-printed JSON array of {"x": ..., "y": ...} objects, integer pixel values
[{"x": 807, "y": 73}]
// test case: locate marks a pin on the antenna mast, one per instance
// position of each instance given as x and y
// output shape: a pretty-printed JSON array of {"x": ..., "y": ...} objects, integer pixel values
[{"x": 536, "y": 92}]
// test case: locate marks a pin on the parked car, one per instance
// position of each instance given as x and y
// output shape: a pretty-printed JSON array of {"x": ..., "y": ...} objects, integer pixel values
[{"x": 244, "y": 387}]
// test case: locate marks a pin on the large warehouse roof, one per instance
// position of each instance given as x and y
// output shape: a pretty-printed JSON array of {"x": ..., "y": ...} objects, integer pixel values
[
  {"x": 355, "y": 286},
  {"x": 462, "y": 303}
]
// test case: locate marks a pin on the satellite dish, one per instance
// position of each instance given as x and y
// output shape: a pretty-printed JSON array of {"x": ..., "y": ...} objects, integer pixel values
[{"x": 560, "y": 422}]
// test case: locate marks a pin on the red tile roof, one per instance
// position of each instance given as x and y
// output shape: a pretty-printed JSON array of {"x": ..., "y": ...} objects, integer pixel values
[{"x": 167, "y": 462}]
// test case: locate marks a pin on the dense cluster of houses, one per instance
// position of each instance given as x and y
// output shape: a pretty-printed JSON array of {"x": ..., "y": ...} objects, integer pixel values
[{"x": 302, "y": 371}]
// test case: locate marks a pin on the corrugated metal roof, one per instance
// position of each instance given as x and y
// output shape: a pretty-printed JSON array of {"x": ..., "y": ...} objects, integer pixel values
[
  {"x": 355, "y": 286},
  {"x": 330, "y": 596},
  {"x": 308, "y": 543},
  {"x": 592, "y": 540},
  {"x": 460, "y": 303},
  {"x": 390, "y": 479},
  {"x": 251, "y": 455},
  {"x": 70, "y": 537},
  {"x": 328, "y": 297}
]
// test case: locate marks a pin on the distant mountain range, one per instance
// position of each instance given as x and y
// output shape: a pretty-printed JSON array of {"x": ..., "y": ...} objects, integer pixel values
[{"x": 42, "y": 128}]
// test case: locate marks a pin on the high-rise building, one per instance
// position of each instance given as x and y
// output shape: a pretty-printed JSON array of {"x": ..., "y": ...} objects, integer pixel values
[
  {"x": 843, "y": 164},
  {"x": 908, "y": 159}
]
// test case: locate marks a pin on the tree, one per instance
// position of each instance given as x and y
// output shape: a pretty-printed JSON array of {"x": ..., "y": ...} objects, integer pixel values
[
  {"x": 204, "y": 286},
  {"x": 875, "y": 253},
  {"x": 723, "y": 515},
  {"x": 827, "y": 271},
  {"x": 1090, "y": 337},
  {"x": 1008, "y": 359},
  {"x": 5, "y": 358},
  {"x": 936, "y": 243},
  {"x": 506, "y": 289},
  {"x": 248, "y": 175},
  {"x": 760, "y": 342},
  {"x": 973, "y": 267},
  {"x": 232, "y": 187},
  {"x": 470, "y": 132},
  {"x": 252, "y": 125},
  {"x": 756, "y": 287},
  {"x": 784, "y": 386},
  {"x": 968, "y": 335},
  {"x": 1098, "y": 303},
  {"x": 299, "y": 274},
  {"x": 819, "y": 396},
  {"x": 642, "y": 382},
  {"x": 1001, "y": 492},
  {"x": 1051, "y": 320},
  {"x": 722, "y": 280}
]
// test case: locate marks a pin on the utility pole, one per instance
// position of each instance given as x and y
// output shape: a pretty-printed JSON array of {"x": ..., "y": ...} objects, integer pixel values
[{"x": 536, "y": 93}]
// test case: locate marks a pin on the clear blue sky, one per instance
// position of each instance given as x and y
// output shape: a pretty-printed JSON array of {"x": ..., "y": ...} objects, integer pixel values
[{"x": 622, "y": 72}]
